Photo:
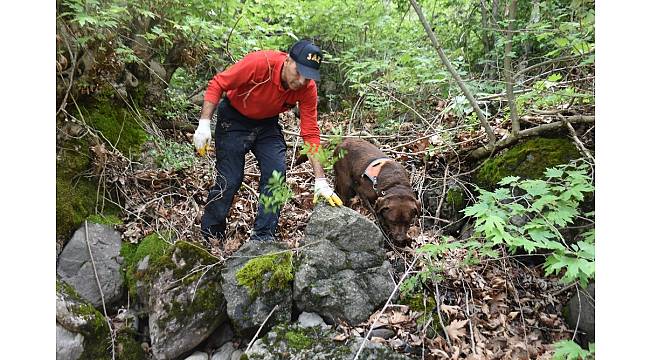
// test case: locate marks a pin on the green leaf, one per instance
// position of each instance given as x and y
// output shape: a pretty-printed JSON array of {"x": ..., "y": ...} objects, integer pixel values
[
  {"x": 553, "y": 173},
  {"x": 554, "y": 77},
  {"x": 569, "y": 350},
  {"x": 535, "y": 187},
  {"x": 508, "y": 179},
  {"x": 540, "y": 203}
]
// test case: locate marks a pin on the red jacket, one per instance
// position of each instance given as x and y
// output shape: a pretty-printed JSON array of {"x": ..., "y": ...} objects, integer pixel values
[{"x": 253, "y": 87}]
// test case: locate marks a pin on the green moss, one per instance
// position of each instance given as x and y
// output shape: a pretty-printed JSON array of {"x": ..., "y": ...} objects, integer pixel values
[
  {"x": 419, "y": 302},
  {"x": 105, "y": 219},
  {"x": 455, "y": 198},
  {"x": 155, "y": 246},
  {"x": 127, "y": 348},
  {"x": 252, "y": 274},
  {"x": 298, "y": 340},
  {"x": 527, "y": 160},
  {"x": 76, "y": 194},
  {"x": 118, "y": 125}
]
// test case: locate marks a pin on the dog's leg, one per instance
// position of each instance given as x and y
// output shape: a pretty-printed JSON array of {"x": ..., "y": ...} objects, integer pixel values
[{"x": 343, "y": 186}]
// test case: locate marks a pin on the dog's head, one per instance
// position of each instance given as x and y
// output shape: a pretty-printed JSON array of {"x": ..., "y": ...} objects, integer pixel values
[{"x": 396, "y": 213}]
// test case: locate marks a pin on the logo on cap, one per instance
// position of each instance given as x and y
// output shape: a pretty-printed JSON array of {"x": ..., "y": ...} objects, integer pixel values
[{"x": 313, "y": 57}]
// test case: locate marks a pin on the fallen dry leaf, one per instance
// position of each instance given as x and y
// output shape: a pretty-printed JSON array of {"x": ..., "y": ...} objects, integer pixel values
[
  {"x": 456, "y": 329},
  {"x": 450, "y": 309}
]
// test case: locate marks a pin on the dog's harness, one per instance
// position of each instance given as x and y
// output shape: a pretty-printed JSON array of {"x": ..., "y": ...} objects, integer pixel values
[{"x": 372, "y": 171}]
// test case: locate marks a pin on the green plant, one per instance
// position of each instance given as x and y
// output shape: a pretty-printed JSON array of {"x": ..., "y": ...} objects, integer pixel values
[
  {"x": 325, "y": 153},
  {"x": 569, "y": 350},
  {"x": 550, "y": 93},
  {"x": 432, "y": 271},
  {"x": 174, "y": 156},
  {"x": 279, "y": 191},
  {"x": 528, "y": 214}
]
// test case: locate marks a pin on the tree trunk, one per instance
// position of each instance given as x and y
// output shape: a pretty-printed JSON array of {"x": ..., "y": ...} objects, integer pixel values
[{"x": 507, "y": 62}]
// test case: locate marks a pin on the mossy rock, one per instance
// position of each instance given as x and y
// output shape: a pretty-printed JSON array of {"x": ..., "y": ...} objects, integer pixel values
[
  {"x": 81, "y": 317},
  {"x": 527, "y": 160}
]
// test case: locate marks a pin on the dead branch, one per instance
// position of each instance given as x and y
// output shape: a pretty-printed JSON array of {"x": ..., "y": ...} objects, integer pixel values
[
  {"x": 501, "y": 144},
  {"x": 579, "y": 143}
]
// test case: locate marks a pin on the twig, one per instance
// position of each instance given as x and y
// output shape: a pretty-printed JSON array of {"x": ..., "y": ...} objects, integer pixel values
[
  {"x": 442, "y": 324},
  {"x": 250, "y": 189},
  {"x": 228, "y": 38},
  {"x": 469, "y": 318},
  {"x": 442, "y": 196},
  {"x": 260, "y": 329},
  {"x": 579, "y": 143},
  {"x": 101, "y": 292},
  {"x": 564, "y": 289},
  {"x": 401, "y": 280},
  {"x": 575, "y": 331}
]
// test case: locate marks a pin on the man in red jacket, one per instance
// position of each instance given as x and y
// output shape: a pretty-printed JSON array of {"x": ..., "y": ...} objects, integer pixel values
[{"x": 259, "y": 87}]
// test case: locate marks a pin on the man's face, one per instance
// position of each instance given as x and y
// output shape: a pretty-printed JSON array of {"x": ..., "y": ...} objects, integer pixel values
[{"x": 291, "y": 78}]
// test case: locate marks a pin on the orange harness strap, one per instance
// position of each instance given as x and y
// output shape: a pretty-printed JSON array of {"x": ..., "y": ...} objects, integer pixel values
[{"x": 372, "y": 171}]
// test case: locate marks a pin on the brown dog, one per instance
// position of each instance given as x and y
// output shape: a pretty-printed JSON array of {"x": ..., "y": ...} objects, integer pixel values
[{"x": 381, "y": 182}]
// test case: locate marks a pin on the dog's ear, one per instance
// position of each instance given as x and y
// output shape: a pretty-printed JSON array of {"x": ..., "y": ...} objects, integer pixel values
[{"x": 381, "y": 204}]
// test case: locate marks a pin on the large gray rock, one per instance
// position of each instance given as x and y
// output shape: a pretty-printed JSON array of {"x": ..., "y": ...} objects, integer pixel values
[
  {"x": 185, "y": 301},
  {"x": 342, "y": 273},
  {"x": 224, "y": 352},
  {"x": 75, "y": 266},
  {"x": 247, "y": 310},
  {"x": 69, "y": 345},
  {"x": 583, "y": 305}
]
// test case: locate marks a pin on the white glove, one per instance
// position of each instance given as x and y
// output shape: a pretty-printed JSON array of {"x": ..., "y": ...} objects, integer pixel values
[
  {"x": 202, "y": 136},
  {"x": 322, "y": 188}
]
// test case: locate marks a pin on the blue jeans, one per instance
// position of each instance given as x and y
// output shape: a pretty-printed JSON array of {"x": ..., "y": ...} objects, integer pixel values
[{"x": 234, "y": 136}]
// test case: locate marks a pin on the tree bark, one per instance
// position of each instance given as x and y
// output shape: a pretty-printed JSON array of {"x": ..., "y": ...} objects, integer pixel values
[{"x": 454, "y": 74}]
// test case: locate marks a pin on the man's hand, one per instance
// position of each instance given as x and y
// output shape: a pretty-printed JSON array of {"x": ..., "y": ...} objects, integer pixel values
[
  {"x": 202, "y": 136},
  {"x": 322, "y": 188}
]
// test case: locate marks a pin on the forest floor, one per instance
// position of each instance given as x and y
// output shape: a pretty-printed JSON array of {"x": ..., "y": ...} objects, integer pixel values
[{"x": 495, "y": 308}]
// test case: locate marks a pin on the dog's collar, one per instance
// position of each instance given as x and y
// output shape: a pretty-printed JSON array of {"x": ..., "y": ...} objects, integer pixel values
[{"x": 372, "y": 171}]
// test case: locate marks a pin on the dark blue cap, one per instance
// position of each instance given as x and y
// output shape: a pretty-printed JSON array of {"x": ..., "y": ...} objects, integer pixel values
[{"x": 308, "y": 58}]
